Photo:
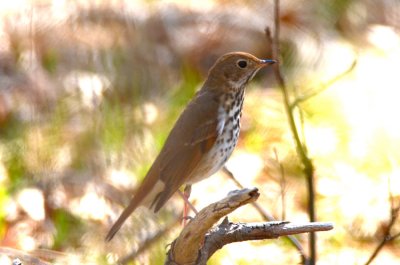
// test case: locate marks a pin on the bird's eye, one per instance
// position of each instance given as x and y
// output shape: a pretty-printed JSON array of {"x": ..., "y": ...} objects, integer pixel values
[{"x": 242, "y": 64}]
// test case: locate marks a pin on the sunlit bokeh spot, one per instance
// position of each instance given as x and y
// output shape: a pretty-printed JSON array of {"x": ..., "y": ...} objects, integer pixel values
[
  {"x": 384, "y": 37},
  {"x": 90, "y": 86},
  {"x": 321, "y": 140},
  {"x": 31, "y": 200},
  {"x": 121, "y": 178},
  {"x": 246, "y": 166},
  {"x": 4, "y": 259},
  {"x": 91, "y": 206}
]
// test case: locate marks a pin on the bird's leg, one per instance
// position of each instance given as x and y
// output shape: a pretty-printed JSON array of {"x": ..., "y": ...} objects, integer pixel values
[{"x": 185, "y": 196}]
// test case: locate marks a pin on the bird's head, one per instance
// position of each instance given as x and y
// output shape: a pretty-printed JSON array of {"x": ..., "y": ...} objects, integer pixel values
[{"x": 235, "y": 70}]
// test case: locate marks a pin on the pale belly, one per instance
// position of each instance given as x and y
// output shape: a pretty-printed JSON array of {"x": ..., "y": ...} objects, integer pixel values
[{"x": 218, "y": 154}]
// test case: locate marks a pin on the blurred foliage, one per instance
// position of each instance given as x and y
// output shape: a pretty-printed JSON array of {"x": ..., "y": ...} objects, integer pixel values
[
  {"x": 67, "y": 230},
  {"x": 90, "y": 89}
]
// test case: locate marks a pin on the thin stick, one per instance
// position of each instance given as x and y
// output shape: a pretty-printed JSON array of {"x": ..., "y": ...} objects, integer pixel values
[
  {"x": 301, "y": 150},
  {"x": 387, "y": 237},
  {"x": 23, "y": 256}
]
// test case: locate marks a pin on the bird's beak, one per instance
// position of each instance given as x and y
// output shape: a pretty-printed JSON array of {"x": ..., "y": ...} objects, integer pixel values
[{"x": 266, "y": 62}]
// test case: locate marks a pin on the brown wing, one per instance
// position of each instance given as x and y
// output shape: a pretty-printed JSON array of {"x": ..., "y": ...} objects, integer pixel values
[{"x": 191, "y": 137}]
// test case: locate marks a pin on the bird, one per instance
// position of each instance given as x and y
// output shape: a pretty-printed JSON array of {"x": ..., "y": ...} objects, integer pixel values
[{"x": 203, "y": 137}]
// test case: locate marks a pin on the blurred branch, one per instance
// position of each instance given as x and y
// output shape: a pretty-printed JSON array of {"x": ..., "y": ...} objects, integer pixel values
[
  {"x": 387, "y": 237},
  {"x": 23, "y": 256},
  {"x": 308, "y": 167},
  {"x": 268, "y": 217},
  {"x": 150, "y": 241},
  {"x": 301, "y": 120},
  {"x": 395, "y": 236},
  {"x": 196, "y": 243},
  {"x": 316, "y": 91}
]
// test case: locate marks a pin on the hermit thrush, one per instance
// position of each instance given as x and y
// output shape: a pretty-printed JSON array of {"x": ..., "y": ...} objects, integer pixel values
[{"x": 204, "y": 136}]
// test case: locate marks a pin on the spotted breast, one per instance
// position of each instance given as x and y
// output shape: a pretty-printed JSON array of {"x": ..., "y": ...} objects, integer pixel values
[{"x": 229, "y": 115}]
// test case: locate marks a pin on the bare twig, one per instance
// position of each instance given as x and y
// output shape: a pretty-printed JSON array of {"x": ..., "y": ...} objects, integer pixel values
[
  {"x": 387, "y": 237},
  {"x": 308, "y": 167},
  {"x": 301, "y": 120},
  {"x": 227, "y": 233},
  {"x": 268, "y": 217},
  {"x": 395, "y": 236},
  {"x": 265, "y": 215}
]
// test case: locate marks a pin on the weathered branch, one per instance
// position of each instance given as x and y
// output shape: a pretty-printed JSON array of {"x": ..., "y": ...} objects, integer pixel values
[
  {"x": 198, "y": 242},
  {"x": 267, "y": 216},
  {"x": 184, "y": 250},
  {"x": 227, "y": 233}
]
